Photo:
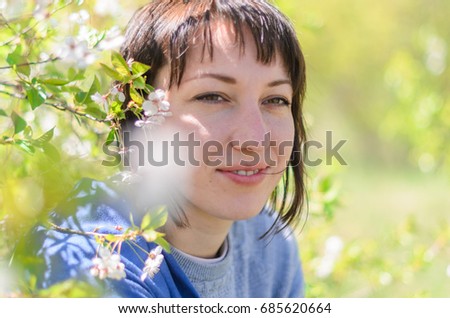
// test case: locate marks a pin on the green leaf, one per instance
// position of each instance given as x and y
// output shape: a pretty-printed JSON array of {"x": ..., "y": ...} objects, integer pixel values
[
  {"x": 54, "y": 81},
  {"x": 95, "y": 87},
  {"x": 112, "y": 73},
  {"x": 25, "y": 146},
  {"x": 150, "y": 235},
  {"x": 28, "y": 132},
  {"x": 120, "y": 64},
  {"x": 75, "y": 75},
  {"x": 94, "y": 110},
  {"x": 132, "y": 220},
  {"x": 159, "y": 217},
  {"x": 163, "y": 243},
  {"x": 19, "y": 122},
  {"x": 146, "y": 221},
  {"x": 112, "y": 238},
  {"x": 3, "y": 113},
  {"x": 17, "y": 58},
  {"x": 45, "y": 138},
  {"x": 136, "y": 96},
  {"x": 139, "y": 83},
  {"x": 36, "y": 96},
  {"x": 80, "y": 97},
  {"x": 111, "y": 137},
  {"x": 139, "y": 69},
  {"x": 52, "y": 152}
]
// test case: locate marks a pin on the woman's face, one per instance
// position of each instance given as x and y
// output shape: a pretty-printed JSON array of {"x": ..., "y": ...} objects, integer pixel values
[{"x": 233, "y": 116}]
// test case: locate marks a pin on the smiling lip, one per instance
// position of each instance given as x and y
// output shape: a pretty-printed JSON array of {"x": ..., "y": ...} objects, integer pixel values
[{"x": 244, "y": 176}]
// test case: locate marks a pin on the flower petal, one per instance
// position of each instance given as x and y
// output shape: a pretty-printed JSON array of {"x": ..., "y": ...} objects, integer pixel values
[{"x": 149, "y": 108}]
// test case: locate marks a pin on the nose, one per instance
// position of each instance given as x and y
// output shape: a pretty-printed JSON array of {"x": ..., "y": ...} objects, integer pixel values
[{"x": 249, "y": 126}]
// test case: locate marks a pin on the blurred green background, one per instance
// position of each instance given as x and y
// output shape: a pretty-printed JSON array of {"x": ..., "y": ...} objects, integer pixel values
[{"x": 378, "y": 77}]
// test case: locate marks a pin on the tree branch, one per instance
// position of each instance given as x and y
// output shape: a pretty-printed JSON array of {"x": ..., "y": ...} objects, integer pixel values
[
  {"x": 74, "y": 111},
  {"x": 52, "y": 59}
]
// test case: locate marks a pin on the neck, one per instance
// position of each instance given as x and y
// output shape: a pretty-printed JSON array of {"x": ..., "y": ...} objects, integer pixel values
[{"x": 201, "y": 238}]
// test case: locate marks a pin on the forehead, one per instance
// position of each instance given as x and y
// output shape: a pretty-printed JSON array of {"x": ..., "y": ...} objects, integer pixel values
[
  {"x": 221, "y": 47},
  {"x": 226, "y": 49}
]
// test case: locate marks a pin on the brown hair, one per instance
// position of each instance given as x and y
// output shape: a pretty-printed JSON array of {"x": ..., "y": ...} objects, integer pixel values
[{"x": 160, "y": 33}]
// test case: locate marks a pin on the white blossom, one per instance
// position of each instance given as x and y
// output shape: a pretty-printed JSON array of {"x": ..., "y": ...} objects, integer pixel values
[
  {"x": 80, "y": 17},
  {"x": 155, "y": 108},
  {"x": 153, "y": 263},
  {"x": 448, "y": 270},
  {"x": 436, "y": 55},
  {"x": 333, "y": 248},
  {"x": 107, "y": 7},
  {"x": 157, "y": 99},
  {"x": 100, "y": 99},
  {"x": 120, "y": 95},
  {"x": 41, "y": 11},
  {"x": 113, "y": 39},
  {"x": 3, "y": 4},
  {"x": 107, "y": 265},
  {"x": 73, "y": 146},
  {"x": 128, "y": 177},
  {"x": 76, "y": 51}
]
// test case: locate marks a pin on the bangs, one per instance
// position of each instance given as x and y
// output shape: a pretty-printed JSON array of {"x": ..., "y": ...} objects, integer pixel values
[{"x": 271, "y": 34}]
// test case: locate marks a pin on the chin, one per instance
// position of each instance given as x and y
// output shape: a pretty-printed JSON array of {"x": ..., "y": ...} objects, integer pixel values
[{"x": 242, "y": 211}]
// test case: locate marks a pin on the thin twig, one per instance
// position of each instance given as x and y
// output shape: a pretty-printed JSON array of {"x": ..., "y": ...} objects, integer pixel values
[
  {"x": 74, "y": 111},
  {"x": 52, "y": 59},
  {"x": 62, "y": 107},
  {"x": 8, "y": 84},
  {"x": 88, "y": 234},
  {"x": 12, "y": 94}
]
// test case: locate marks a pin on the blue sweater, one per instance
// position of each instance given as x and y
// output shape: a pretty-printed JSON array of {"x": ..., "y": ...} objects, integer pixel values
[{"x": 251, "y": 267}]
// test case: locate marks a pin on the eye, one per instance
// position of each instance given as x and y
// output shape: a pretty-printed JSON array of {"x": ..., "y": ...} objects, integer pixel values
[
  {"x": 277, "y": 101},
  {"x": 212, "y": 98}
]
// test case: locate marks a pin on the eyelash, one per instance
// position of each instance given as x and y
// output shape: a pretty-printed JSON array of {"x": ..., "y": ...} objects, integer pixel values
[
  {"x": 214, "y": 98},
  {"x": 280, "y": 101},
  {"x": 208, "y": 98}
]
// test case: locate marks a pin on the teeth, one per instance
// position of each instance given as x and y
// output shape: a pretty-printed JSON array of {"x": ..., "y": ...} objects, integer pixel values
[{"x": 246, "y": 173}]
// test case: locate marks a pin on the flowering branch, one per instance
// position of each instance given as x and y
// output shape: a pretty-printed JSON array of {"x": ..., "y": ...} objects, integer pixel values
[{"x": 106, "y": 263}]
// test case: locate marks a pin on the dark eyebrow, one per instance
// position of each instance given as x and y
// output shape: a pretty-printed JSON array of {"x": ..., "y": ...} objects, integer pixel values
[
  {"x": 223, "y": 78},
  {"x": 279, "y": 82},
  {"x": 231, "y": 80}
]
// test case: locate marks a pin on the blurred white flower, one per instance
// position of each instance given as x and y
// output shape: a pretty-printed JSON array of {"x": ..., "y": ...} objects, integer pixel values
[
  {"x": 107, "y": 7},
  {"x": 74, "y": 147},
  {"x": 155, "y": 102},
  {"x": 3, "y": 4},
  {"x": 76, "y": 51},
  {"x": 107, "y": 265},
  {"x": 100, "y": 99},
  {"x": 333, "y": 248},
  {"x": 436, "y": 55},
  {"x": 80, "y": 17},
  {"x": 156, "y": 108},
  {"x": 128, "y": 177},
  {"x": 448, "y": 270},
  {"x": 113, "y": 39},
  {"x": 7, "y": 280},
  {"x": 385, "y": 278},
  {"x": 153, "y": 263},
  {"x": 47, "y": 120},
  {"x": 41, "y": 11},
  {"x": 120, "y": 95}
]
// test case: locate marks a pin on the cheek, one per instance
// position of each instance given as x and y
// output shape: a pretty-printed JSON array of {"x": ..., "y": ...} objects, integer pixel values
[{"x": 282, "y": 134}]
